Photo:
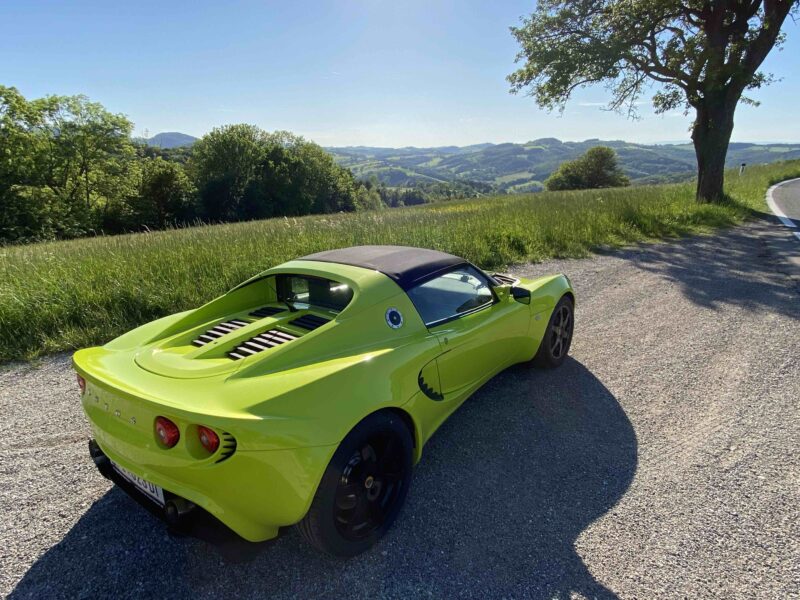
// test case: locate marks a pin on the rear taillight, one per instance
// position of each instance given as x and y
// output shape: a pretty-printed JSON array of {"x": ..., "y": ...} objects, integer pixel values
[
  {"x": 81, "y": 384},
  {"x": 208, "y": 439},
  {"x": 167, "y": 432}
]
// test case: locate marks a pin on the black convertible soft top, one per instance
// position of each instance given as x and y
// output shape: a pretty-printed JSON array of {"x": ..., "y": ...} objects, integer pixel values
[{"x": 407, "y": 266}]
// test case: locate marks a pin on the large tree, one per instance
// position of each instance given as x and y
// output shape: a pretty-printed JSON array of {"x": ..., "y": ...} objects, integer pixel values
[
  {"x": 63, "y": 161},
  {"x": 700, "y": 54}
]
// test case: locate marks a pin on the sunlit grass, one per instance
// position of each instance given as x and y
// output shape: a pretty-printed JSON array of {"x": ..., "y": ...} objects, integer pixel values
[{"x": 64, "y": 295}]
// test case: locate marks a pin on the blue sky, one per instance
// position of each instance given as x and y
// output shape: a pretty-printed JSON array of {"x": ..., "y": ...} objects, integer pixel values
[{"x": 350, "y": 72}]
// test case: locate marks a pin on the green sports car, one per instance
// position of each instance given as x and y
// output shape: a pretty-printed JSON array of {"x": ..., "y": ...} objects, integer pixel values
[{"x": 305, "y": 395}]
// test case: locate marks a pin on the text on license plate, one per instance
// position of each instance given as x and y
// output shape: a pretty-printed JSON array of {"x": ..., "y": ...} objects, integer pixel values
[{"x": 152, "y": 491}]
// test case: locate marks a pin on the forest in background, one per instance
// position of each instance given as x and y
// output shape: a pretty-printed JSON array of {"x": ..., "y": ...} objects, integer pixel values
[{"x": 69, "y": 168}]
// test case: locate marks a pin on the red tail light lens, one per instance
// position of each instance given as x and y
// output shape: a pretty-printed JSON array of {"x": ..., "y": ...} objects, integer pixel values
[
  {"x": 167, "y": 432},
  {"x": 81, "y": 384},
  {"x": 208, "y": 438}
]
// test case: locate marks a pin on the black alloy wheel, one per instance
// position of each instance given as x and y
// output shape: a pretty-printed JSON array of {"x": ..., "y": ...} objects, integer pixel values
[
  {"x": 558, "y": 335},
  {"x": 370, "y": 485},
  {"x": 364, "y": 487},
  {"x": 561, "y": 328}
]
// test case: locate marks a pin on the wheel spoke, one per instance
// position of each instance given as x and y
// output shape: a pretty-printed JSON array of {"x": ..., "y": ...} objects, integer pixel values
[
  {"x": 360, "y": 519},
  {"x": 347, "y": 496},
  {"x": 368, "y": 454}
]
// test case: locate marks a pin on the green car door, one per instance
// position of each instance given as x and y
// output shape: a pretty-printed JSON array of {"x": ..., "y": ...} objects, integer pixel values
[{"x": 475, "y": 326}]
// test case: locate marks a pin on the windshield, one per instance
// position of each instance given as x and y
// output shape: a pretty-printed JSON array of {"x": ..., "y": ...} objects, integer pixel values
[{"x": 304, "y": 291}]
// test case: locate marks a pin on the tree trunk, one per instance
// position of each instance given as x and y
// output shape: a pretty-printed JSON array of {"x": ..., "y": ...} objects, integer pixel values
[{"x": 711, "y": 135}]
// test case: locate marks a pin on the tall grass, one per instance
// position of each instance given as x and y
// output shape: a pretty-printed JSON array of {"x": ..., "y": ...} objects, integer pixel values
[{"x": 64, "y": 295}]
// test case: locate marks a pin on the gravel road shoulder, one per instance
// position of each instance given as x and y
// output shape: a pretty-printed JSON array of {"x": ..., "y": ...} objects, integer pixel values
[{"x": 660, "y": 461}]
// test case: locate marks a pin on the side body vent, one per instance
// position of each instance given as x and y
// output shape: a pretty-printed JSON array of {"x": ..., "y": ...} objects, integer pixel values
[
  {"x": 428, "y": 390},
  {"x": 266, "y": 311},
  {"x": 309, "y": 321},
  {"x": 218, "y": 331},
  {"x": 428, "y": 381},
  {"x": 259, "y": 343},
  {"x": 505, "y": 279},
  {"x": 228, "y": 445}
]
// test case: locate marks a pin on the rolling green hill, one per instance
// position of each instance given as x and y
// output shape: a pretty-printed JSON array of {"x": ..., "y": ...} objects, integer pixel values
[
  {"x": 524, "y": 167},
  {"x": 65, "y": 295},
  {"x": 516, "y": 168}
]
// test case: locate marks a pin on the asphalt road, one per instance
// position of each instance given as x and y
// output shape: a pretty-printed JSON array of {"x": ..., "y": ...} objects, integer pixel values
[
  {"x": 660, "y": 461},
  {"x": 787, "y": 197}
]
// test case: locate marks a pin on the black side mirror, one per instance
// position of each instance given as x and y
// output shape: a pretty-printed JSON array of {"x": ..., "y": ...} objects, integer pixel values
[{"x": 521, "y": 295}]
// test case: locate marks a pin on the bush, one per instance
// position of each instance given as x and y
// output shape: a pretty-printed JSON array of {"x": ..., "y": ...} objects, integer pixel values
[{"x": 597, "y": 168}]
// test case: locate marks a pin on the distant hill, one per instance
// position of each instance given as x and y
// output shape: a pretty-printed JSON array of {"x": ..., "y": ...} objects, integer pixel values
[
  {"x": 169, "y": 139},
  {"x": 516, "y": 167},
  {"x": 524, "y": 167}
]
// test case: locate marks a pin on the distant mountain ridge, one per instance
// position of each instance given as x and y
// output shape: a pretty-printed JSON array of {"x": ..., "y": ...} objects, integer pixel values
[
  {"x": 168, "y": 139},
  {"x": 524, "y": 167},
  {"x": 510, "y": 167}
]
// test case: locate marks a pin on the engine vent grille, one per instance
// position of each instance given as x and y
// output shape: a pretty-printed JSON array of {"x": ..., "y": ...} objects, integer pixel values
[
  {"x": 259, "y": 343},
  {"x": 266, "y": 311},
  {"x": 218, "y": 331},
  {"x": 309, "y": 321},
  {"x": 505, "y": 279},
  {"x": 228, "y": 445}
]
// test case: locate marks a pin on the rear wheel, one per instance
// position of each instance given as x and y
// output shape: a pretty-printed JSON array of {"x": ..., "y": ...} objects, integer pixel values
[
  {"x": 558, "y": 336},
  {"x": 363, "y": 488}
]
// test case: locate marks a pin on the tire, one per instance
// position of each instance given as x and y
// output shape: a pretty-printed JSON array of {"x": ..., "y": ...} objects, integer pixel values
[
  {"x": 363, "y": 488},
  {"x": 558, "y": 336}
]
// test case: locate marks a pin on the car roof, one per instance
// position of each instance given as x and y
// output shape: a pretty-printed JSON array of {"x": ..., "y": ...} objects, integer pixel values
[{"x": 406, "y": 265}]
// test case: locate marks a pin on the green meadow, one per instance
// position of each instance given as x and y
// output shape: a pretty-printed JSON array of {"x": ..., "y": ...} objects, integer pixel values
[{"x": 64, "y": 295}]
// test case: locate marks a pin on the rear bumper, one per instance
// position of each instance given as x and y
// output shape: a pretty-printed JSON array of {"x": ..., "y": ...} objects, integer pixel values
[
  {"x": 169, "y": 512},
  {"x": 252, "y": 493}
]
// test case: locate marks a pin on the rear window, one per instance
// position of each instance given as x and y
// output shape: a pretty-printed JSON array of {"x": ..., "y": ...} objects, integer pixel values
[{"x": 313, "y": 291}]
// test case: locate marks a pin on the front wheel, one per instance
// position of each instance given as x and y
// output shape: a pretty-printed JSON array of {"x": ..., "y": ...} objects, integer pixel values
[
  {"x": 558, "y": 336},
  {"x": 363, "y": 488}
]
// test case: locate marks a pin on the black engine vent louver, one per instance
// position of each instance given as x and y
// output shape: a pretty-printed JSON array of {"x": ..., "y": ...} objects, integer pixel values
[
  {"x": 505, "y": 279},
  {"x": 309, "y": 321},
  {"x": 228, "y": 445},
  {"x": 266, "y": 311},
  {"x": 259, "y": 343},
  {"x": 218, "y": 331}
]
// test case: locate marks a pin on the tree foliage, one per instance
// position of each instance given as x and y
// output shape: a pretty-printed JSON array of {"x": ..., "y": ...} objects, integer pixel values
[
  {"x": 243, "y": 172},
  {"x": 597, "y": 168},
  {"x": 63, "y": 162},
  {"x": 700, "y": 54},
  {"x": 68, "y": 167}
]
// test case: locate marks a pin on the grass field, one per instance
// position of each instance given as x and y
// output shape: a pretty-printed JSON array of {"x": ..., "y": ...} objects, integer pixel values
[{"x": 65, "y": 295}]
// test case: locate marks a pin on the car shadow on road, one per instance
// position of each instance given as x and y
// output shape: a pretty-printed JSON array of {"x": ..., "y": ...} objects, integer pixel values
[{"x": 497, "y": 503}]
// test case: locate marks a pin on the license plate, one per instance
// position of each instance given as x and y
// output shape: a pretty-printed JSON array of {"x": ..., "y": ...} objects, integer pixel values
[{"x": 151, "y": 490}]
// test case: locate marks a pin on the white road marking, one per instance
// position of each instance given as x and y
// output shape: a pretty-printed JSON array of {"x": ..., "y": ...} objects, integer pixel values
[{"x": 776, "y": 209}]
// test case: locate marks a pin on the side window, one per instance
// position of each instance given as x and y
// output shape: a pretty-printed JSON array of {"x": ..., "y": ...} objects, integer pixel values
[{"x": 448, "y": 296}]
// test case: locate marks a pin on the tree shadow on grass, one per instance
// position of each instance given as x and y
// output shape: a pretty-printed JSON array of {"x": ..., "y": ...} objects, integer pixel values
[{"x": 503, "y": 491}]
